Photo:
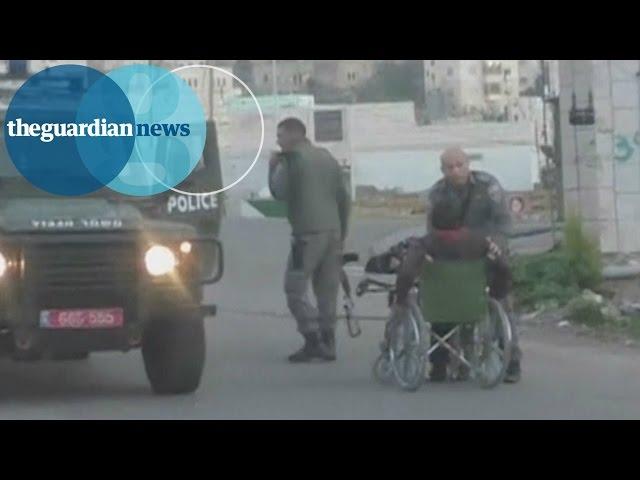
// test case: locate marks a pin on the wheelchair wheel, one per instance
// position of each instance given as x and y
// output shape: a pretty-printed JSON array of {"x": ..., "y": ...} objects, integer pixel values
[
  {"x": 493, "y": 344},
  {"x": 382, "y": 369},
  {"x": 406, "y": 352}
]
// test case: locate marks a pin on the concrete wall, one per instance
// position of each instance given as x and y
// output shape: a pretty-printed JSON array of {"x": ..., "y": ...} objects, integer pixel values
[{"x": 601, "y": 163}]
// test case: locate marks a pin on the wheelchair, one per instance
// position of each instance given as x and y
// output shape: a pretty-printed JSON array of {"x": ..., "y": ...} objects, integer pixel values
[{"x": 449, "y": 307}]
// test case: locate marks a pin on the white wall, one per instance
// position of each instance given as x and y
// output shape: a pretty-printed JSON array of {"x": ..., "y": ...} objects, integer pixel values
[{"x": 601, "y": 163}]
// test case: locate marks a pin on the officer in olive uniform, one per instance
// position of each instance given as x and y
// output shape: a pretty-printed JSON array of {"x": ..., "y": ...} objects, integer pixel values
[
  {"x": 482, "y": 203},
  {"x": 311, "y": 182}
]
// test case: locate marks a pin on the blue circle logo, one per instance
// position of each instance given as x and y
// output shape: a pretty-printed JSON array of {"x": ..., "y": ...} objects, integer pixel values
[{"x": 138, "y": 130}]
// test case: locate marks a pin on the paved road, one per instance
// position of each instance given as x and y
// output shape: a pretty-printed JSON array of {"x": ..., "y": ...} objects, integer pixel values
[{"x": 246, "y": 376}]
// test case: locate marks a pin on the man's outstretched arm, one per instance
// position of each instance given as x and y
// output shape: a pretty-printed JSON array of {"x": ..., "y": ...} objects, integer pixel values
[{"x": 344, "y": 203}]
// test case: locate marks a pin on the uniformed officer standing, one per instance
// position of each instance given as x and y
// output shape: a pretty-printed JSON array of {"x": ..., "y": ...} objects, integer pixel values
[
  {"x": 311, "y": 183},
  {"x": 482, "y": 203}
]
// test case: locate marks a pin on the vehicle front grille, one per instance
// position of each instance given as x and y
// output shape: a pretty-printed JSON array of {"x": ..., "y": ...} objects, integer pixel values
[{"x": 81, "y": 266}]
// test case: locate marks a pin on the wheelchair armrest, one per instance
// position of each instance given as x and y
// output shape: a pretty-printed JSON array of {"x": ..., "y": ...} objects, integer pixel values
[
  {"x": 350, "y": 257},
  {"x": 365, "y": 286}
]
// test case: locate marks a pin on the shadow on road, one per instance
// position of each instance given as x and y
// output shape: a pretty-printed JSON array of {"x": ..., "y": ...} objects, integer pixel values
[{"x": 68, "y": 380}]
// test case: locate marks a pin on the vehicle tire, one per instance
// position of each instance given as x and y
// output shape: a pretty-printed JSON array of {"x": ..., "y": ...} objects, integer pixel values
[
  {"x": 406, "y": 353},
  {"x": 173, "y": 351},
  {"x": 494, "y": 343}
]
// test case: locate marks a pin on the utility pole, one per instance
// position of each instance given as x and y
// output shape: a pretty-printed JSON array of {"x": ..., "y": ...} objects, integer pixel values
[
  {"x": 552, "y": 193},
  {"x": 544, "y": 101}
]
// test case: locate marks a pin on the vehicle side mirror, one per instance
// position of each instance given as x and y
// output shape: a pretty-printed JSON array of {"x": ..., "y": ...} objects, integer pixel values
[{"x": 219, "y": 260}]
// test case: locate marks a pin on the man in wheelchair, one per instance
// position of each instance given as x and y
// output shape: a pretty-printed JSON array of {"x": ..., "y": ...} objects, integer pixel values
[{"x": 449, "y": 241}]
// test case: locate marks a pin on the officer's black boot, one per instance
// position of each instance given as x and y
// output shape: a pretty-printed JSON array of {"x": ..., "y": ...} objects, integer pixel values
[
  {"x": 312, "y": 349},
  {"x": 329, "y": 343},
  {"x": 513, "y": 372},
  {"x": 438, "y": 372},
  {"x": 439, "y": 362}
]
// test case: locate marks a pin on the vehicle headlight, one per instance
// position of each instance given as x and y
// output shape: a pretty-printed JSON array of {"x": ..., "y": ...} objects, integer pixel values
[
  {"x": 185, "y": 247},
  {"x": 159, "y": 260},
  {"x": 3, "y": 265}
]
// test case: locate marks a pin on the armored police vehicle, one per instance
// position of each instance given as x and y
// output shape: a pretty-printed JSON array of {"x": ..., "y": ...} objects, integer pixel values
[{"x": 109, "y": 272}]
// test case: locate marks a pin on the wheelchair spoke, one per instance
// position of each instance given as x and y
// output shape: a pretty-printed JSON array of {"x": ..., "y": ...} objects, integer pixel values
[
  {"x": 493, "y": 358},
  {"x": 498, "y": 351},
  {"x": 406, "y": 357},
  {"x": 382, "y": 369}
]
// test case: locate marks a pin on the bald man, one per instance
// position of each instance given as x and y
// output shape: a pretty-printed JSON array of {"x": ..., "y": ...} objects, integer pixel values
[
  {"x": 478, "y": 195},
  {"x": 480, "y": 199}
]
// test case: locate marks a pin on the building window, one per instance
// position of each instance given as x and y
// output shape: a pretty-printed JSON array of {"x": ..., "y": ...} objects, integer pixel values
[
  {"x": 328, "y": 126},
  {"x": 492, "y": 89},
  {"x": 195, "y": 83},
  {"x": 493, "y": 67},
  {"x": 265, "y": 78},
  {"x": 449, "y": 71}
]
